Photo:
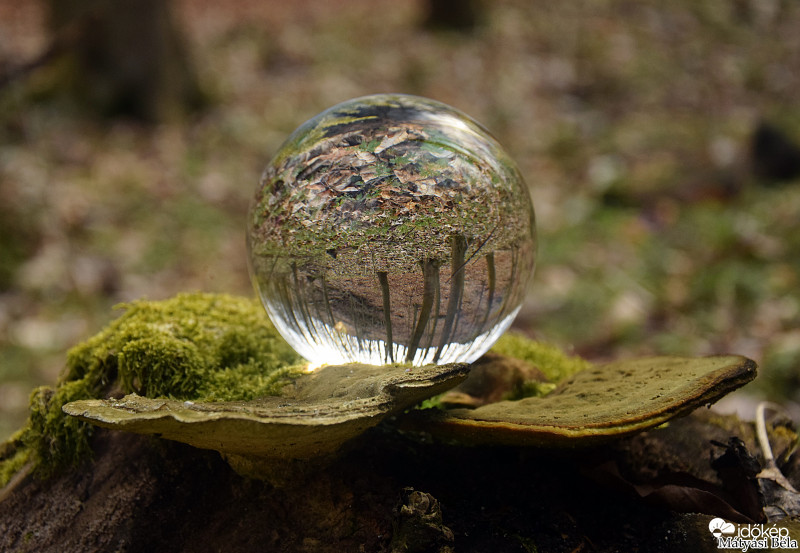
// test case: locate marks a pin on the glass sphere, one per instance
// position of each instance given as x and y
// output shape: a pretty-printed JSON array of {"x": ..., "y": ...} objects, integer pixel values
[{"x": 391, "y": 228}]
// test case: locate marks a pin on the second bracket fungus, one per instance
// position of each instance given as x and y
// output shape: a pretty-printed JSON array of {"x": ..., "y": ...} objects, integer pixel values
[
  {"x": 391, "y": 228},
  {"x": 595, "y": 404}
]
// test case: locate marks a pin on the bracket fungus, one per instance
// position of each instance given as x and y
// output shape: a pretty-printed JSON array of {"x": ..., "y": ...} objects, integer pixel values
[
  {"x": 211, "y": 371},
  {"x": 312, "y": 417},
  {"x": 595, "y": 404}
]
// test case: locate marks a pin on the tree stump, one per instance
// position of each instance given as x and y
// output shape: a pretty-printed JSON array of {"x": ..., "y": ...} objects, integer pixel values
[{"x": 382, "y": 492}]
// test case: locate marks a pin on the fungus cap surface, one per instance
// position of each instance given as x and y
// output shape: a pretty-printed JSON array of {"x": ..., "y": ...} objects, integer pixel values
[
  {"x": 595, "y": 404},
  {"x": 313, "y": 416}
]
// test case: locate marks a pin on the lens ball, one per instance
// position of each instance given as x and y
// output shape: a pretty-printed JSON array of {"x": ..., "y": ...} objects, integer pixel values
[{"x": 391, "y": 228}]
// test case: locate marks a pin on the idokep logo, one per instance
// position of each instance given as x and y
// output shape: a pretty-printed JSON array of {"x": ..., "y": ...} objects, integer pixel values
[
  {"x": 718, "y": 527},
  {"x": 747, "y": 537}
]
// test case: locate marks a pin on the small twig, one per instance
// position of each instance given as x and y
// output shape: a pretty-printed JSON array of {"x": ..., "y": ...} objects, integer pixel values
[
  {"x": 771, "y": 470},
  {"x": 761, "y": 431}
]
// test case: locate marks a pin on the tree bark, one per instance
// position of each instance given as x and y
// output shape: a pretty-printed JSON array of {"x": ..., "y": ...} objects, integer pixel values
[{"x": 124, "y": 57}]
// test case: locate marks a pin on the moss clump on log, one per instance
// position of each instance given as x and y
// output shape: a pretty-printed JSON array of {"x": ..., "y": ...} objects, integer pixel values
[
  {"x": 554, "y": 363},
  {"x": 199, "y": 347}
]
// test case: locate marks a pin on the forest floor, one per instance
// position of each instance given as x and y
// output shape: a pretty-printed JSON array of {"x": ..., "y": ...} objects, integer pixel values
[{"x": 661, "y": 228}]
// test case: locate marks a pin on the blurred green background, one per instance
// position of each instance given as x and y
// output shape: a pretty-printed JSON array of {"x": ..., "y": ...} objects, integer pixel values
[{"x": 658, "y": 140}]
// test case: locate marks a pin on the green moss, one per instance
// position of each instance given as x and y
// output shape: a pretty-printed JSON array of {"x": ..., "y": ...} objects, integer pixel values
[
  {"x": 554, "y": 363},
  {"x": 200, "y": 347},
  {"x": 434, "y": 402},
  {"x": 179, "y": 347},
  {"x": 13, "y": 457},
  {"x": 530, "y": 388}
]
